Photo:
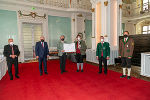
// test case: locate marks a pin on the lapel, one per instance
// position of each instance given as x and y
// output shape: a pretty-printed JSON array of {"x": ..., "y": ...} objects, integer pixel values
[
  {"x": 62, "y": 44},
  {"x": 126, "y": 40},
  {"x": 9, "y": 47},
  {"x": 103, "y": 47},
  {"x": 44, "y": 45},
  {"x": 103, "y": 44},
  {"x": 80, "y": 42}
]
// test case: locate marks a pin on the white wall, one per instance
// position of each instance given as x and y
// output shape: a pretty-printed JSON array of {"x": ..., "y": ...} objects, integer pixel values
[
  {"x": 131, "y": 27},
  {"x": 41, "y": 10},
  {"x": 111, "y": 19},
  {"x": 111, "y": 22}
]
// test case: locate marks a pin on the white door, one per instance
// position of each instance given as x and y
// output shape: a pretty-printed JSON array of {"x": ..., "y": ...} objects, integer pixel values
[{"x": 31, "y": 34}]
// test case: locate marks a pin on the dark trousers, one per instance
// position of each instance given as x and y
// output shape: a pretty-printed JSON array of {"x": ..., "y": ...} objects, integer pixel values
[
  {"x": 9, "y": 64},
  {"x": 79, "y": 58},
  {"x": 126, "y": 62},
  {"x": 104, "y": 60},
  {"x": 62, "y": 62},
  {"x": 44, "y": 60}
]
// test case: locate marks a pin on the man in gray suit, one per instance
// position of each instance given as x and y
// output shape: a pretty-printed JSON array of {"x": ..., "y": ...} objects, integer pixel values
[{"x": 61, "y": 53}]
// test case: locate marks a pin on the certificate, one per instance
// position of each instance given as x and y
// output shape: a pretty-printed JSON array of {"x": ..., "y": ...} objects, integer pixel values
[{"x": 69, "y": 47}]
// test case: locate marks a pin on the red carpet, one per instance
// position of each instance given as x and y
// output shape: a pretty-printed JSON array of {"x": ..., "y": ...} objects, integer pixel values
[{"x": 71, "y": 85}]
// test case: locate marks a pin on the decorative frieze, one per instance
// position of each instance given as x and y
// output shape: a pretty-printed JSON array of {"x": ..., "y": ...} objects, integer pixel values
[{"x": 31, "y": 14}]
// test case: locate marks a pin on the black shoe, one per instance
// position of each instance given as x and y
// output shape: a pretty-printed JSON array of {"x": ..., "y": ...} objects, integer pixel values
[
  {"x": 81, "y": 70},
  {"x": 46, "y": 73},
  {"x": 16, "y": 76},
  {"x": 128, "y": 77},
  {"x": 41, "y": 74},
  {"x": 105, "y": 73},
  {"x": 61, "y": 72},
  {"x": 99, "y": 72},
  {"x": 11, "y": 78},
  {"x": 123, "y": 76},
  {"x": 77, "y": 70},
  {"x": 64, "y": 71}
]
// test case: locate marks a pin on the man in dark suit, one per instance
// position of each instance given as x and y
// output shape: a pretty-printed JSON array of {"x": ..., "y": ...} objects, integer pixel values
[
  {"x": 42, "y": 53},
  {"x": 11, "y": 52}
]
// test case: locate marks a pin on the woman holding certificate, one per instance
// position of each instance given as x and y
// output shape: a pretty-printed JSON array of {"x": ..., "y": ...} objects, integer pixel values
[{"x": 80, "y": 52}]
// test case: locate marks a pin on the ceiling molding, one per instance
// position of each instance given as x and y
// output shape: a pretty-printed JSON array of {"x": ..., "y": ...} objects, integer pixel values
[
  {"x": 41, "y": 6},
  {"x": 128, "y": 1}
]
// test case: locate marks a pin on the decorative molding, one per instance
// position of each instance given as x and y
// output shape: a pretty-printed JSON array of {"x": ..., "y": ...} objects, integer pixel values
[
  {"x": 93, "y": 9},
  {"x": 106, "y": 3},
  {"x": 105, "y": 35},
  {"x": 20, "y": 22},
  {"x": 51, "y": 6},
  {"x": 80, "y": 15},
  {"x": 129, "y": 1},
  {"x": 32, "y": 14},
  {"x": 120, "y": 6},
  {"x": 73, "y": 20},
  {"x": 83, "y": 4}
]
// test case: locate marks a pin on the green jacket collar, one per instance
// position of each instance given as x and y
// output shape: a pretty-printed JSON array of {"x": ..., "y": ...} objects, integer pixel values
[
  {"x": 103, "y": 43},
  {"x": 126, "y": 41}
]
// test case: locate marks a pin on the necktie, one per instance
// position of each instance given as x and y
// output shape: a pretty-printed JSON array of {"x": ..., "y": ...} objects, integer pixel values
[
  {"x": 12, "y": 50},
  {"x": 102, "y": 50},
  {"x": 125, "y": 40},
  {"x": 42, "y": 44}
]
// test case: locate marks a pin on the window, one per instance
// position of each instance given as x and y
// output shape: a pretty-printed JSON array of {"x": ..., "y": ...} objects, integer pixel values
[
  {"x": 146, "y": 4},
  {"x": 146, "y": 29}
]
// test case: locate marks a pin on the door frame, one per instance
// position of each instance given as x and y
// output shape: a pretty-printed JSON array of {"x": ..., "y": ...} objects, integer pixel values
[
  {"x": 33, "y": 39},
  {"x": 22, "y": 20}
]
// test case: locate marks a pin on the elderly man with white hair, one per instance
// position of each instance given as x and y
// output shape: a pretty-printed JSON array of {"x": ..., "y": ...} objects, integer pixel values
[
  {"x": 11, "y": 52},
  {"x": 61, "y": 53},
  {"x": 42, "y": 53}
]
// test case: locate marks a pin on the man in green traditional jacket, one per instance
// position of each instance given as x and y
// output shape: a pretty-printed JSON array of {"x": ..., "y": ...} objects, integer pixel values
[{"x": 103, "y": 54}]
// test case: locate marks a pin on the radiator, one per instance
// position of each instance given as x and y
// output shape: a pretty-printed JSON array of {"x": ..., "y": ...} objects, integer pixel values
[
  {"x": 145, "y": 64},
  {"x": 91, "y": 56}
]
